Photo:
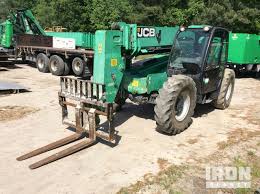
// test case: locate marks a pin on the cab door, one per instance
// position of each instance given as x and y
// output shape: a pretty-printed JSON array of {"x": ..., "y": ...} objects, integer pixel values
[{"x": 215, "y": 61}]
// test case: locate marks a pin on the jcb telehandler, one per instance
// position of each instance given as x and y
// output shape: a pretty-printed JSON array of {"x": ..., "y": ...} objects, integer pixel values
[{"x": 189, "y": 69}]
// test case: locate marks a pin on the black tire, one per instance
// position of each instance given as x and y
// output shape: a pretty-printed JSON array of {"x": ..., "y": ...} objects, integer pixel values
[
  {"x": 226, "y": 90},
  {"x": 78, "y": 66},
  {"x": 67, "y": 67},
  {"x": 42, "y": 63},
  {"x": 57, "y": 65},
  {"x": 166, "y": 115}
]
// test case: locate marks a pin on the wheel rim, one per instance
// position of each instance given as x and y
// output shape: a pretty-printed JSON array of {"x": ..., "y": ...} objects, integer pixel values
[
  {"x": 54, "y": 66},
  {"x": 40, "y": 63},
  {"x": 229, "y": 91},
  {"x": 77, "y": 66},
  {"x": 182, "y": 106}
]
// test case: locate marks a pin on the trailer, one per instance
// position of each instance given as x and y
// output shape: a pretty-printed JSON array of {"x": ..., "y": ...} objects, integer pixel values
[
  {"x": 57, "y": 55},
  {"x": 21, "y": 36},
  {"x": 244, "y": 52}
]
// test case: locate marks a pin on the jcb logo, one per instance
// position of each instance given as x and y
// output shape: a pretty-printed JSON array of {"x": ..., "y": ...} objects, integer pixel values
[{"x": 145, "y": 32}]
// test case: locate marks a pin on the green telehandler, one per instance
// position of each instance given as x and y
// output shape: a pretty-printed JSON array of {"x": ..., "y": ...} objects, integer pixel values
[
  {"x": 20, "y": 21},
  {"x": 189, "y": 68}
]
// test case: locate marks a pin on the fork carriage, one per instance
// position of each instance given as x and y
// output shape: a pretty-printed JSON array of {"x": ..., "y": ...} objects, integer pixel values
[{"x": 87, "y": 98}]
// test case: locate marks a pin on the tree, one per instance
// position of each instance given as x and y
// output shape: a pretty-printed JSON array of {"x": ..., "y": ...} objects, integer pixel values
[
  {"x": 105, "y": 12},
  {"x": 90, "y": 15}
]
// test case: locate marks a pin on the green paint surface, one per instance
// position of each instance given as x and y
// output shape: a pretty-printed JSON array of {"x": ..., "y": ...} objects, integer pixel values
[
  {"x": 6, "y": 34},
  {"x": 244, "y": 48}
]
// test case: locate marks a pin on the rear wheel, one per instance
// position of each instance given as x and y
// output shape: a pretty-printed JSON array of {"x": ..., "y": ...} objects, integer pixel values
[
  {"x": 175, "y": 104},
  {"x": 58, "y": 66},
  {"x": 67, "y": 67},
  {"x": 78, "y": 66},
  {"x": 226, "y": 90},
  {"x": 42, "y": 63}
]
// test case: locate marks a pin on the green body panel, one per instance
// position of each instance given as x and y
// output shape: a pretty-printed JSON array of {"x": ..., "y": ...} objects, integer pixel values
[
  {"x": 158, "y": 41},
  {"x": 82, "y": 39},
  {"x": 148, "y": 77},
  {"x": 244, "y": 48},
  {"x": 109, "y": 65},
  {"x": 133, "y": 42},
  {"x": 6, "y": 34},
  {"x": 113, "y": 53}
]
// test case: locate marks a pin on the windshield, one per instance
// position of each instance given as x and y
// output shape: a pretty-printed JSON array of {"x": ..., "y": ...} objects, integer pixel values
[{"x": 189, "y": 48}]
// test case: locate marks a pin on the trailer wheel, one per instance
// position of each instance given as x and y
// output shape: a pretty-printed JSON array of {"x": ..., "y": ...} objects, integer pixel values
[
  {"x": 42, "y": 63},
  {"x": 78, "y": 66},
  {"x": 226, "y": 90},
  {"x": 67, "y": 67},
  {"x": 249, "y": 67},
  {"x": 57, "y": 65},
  {"x": 175, "y": 104},
  {"x": 257, "y": 68}
]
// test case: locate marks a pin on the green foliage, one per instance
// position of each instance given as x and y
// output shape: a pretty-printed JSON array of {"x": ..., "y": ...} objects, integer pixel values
[
  {"x": 106, "y": 12},
  {"x": 90, "y": 15}
]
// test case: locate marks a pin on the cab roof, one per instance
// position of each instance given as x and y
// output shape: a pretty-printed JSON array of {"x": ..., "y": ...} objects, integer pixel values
[{"x": 199, "y": 26}]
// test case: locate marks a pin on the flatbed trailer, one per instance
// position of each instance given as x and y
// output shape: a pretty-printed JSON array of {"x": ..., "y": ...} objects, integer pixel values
[
  {"x": 58, "y": 61},
  {"x": 32, "y": 50}
]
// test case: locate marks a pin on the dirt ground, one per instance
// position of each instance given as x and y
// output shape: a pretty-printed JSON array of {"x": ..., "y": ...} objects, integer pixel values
[{"x": 141, "y": 150}]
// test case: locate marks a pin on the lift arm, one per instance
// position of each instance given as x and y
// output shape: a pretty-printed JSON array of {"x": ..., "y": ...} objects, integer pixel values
[{"x": 114, "y": 50}]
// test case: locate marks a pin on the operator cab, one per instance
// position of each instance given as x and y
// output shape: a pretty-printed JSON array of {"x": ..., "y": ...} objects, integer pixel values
[{"x": 201, "y": 53}]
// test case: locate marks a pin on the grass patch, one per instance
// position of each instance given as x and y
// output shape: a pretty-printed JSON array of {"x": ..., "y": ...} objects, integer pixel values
[
  {"x": 237, "y": 136},
  {"x": 251, "y": 161},
  {"x": 8, "y": 113},
  {"x": 164, "y": 180}
]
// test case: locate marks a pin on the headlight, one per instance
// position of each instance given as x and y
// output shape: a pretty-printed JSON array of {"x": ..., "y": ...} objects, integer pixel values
[
  {"x": 206, "y": 28},
  {"x": 182, "y": 29}
]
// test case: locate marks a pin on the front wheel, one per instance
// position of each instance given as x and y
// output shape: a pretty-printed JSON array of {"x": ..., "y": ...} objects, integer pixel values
[
  {"x": 175, "y": 104},
  {"x": 226, "y": 90}
]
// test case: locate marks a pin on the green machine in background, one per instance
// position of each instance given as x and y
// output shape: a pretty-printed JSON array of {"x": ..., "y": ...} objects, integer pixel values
[
  {"x": 244, "y": 52},
  {"x": 6, "y": 34},
  {"x": 18, "y": 22}
]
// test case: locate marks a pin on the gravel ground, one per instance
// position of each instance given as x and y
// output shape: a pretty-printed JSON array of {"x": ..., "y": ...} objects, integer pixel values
[{"x": 102, "y": 168}]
